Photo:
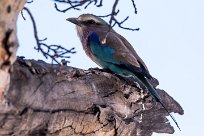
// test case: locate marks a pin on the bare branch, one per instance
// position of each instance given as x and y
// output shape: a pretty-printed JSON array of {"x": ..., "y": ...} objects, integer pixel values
[
  {"x": 51, "y": 51},
  {"x": 109, "y": 14},
  {"x": 127, "y": 28},
  {"x": 113, "y": 13},
  {"x": 67, "y": 1},
  {"x": 100, "y": 3},
  {"x": 133, "y": 3},
  {"x": 75, "y": 98},
  {"x": 89, "y": 3},
  {"x": 77, "y": 4},
  {"x": 23, "y": 15},
  {"x": 30, "y": 1},
  {"x": 113, "y": 21},
  {"x": 119, "y": 23}
]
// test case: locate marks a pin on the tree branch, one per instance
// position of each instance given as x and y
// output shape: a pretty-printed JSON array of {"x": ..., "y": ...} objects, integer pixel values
[
  {"x": 76, "y": 5},
  {"x": 61, "y": 100},
  {"x": 51, "y": 99},
  {"x": 52, "y": 51}
]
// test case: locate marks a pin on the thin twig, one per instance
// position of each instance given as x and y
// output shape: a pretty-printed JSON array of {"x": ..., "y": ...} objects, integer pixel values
[
  {"x": 76, "y": 5},
  {"x": 127, "y": 28},
  {"x": 30, "y": 1},
  {"x": 51, "y": 51},
  {"x": 109, "y": 14},
  {"x": 133, "y": 3},
  {"x": 113, "y": 13},
  {"x": 23, "y": 15},
  {"x": 100, "y": 3}
]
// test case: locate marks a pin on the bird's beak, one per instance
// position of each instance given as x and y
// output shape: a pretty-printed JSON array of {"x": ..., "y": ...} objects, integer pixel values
[{"x": 74, "y": 21}]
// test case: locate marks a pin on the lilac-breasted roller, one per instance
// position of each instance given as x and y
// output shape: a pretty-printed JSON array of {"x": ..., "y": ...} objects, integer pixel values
[{"x": 112, "y": 51}]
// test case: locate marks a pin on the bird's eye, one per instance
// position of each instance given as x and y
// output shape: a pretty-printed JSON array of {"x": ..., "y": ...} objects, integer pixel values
[{"x": 91, "y": 22}]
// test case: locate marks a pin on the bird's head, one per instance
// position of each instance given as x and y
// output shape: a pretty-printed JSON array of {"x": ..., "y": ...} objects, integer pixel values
[{"x": 86, "y": 23}]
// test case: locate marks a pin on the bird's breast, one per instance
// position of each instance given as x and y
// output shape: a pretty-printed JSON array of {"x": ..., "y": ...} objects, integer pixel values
[{"x": 86, "y": 47}]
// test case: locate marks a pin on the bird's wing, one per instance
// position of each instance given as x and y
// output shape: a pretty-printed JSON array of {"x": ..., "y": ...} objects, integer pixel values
[
  {"x": 134, "y": 53},
  {"x": 153, "y": 80},
  {"x": 115, "y": 51}
]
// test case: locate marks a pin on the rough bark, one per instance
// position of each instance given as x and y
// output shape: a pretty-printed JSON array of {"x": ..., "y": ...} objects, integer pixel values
[
  {"x": 37, "y": 98},
  {"x": 47, "y": 99},
  {"x": 9, "y": 10}
]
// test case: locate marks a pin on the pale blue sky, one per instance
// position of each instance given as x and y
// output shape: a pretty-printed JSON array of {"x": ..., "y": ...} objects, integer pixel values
[{"x": 170, "y": 41}]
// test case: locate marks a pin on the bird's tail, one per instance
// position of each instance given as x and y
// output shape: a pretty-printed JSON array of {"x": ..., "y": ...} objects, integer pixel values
[{"x": 156, "y": 96}]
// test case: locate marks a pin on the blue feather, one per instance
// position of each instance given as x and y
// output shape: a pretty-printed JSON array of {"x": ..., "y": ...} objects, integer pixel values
[
  {"x": 94, "y": 38},
  {"x": 105, "y": 55},
  {"x": 102, "y": 51}
]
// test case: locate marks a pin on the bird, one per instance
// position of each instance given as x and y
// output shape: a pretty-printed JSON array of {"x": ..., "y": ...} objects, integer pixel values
[{"x": 110, "y": 50}]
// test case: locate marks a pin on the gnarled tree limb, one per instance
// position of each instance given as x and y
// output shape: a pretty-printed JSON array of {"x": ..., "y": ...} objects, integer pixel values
[
  {"x": 45, "y": 99},
  {"x": 61, "y": 100}
]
